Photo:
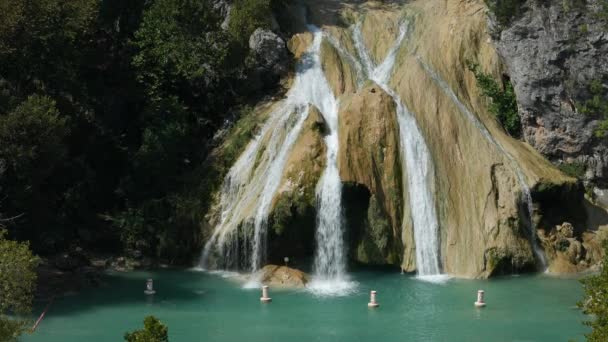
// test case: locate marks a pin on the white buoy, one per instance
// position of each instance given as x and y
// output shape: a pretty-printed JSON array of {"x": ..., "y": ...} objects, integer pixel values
[
  {"x": 372, "y": 300},
  {"x": 149, "y": 287},
  {"x": 480, "y": 303},
  {"x": 265, "y": 298}
]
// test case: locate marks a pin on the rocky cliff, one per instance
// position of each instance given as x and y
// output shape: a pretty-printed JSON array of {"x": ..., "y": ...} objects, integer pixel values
[
  {"x": 553, "y": 51},
  {"x": 499, "y": 202}
]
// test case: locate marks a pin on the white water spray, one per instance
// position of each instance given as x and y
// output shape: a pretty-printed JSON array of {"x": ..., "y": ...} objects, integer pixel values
[
  {"x": 329, "y": 266},
  {"x": 246, "y": 197},
  {"x": 526, "y": 194},
  {"x": 416, "y": 158}
]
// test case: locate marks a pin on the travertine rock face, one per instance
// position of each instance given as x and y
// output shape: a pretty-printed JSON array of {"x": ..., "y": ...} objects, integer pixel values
[
  {"x": 483, "y": 221},
  {"x": 283, "y": 277},
  {"x": 569, "y": 252},
  {"x": 552, "y": 52},
  {"x": 292, "y": 220},
  {"x": 340, "y": 74},
  {"x": 479, "y": 172},
  {"x": 369, "y": 156}
]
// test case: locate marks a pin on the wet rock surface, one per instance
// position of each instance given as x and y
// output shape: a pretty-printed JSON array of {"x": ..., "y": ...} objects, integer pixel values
[{"x": 283, "y": 276}]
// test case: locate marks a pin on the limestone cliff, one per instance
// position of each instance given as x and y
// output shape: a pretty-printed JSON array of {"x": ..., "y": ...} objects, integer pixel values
[
  {"x": 482, "y": 180},
  {"x": 553, "y": 51},
  {"x": 369, "y": 136}
]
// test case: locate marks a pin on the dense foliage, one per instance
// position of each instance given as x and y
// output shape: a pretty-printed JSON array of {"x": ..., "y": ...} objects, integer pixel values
[
  {"x": 595, "y": 302},
  {"x": 107, "y": 113},
  {"x": 17, "y": 285},
  {"x": 505, "y": 10},
  {"x": 154, "y": 331},
  {"x": 503, "y": 101},
  {"x": 597, "y": 107}
]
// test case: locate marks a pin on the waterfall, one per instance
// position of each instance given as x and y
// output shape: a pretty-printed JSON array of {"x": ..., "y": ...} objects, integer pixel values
[
  {"x": 246, "y": 197},
  {"x": 416, "y": 158},
  {"x": 329, "y": 267},
  {"x": 526, "y": 194}
]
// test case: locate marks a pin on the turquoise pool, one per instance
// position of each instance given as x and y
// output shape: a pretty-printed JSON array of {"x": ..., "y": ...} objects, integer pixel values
[{"x": 203, "y": 307}]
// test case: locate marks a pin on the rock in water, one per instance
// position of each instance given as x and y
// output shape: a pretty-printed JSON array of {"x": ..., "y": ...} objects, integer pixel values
[
  {"x": 282, "y": 276},
  {"x": 270, "y": 52}
]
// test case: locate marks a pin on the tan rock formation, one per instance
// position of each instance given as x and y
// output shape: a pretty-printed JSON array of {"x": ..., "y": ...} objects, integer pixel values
[
  {"x": 369, "y": 155},
  {"x": 292, "y": 219},
  {"x": 340, "y": 74},
  {"x": 299, "y": 43},
  {"x": 568, "y": 253},
  {"x": 482, "y": 219},
  {"x": 282, "y": 277}
]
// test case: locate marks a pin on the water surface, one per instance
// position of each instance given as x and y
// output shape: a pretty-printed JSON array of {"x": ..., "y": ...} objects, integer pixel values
[{"x": 202, "y": 307}]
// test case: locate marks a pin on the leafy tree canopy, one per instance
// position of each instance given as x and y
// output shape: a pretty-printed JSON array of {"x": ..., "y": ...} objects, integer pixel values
[{"x": 17, "y": 285}]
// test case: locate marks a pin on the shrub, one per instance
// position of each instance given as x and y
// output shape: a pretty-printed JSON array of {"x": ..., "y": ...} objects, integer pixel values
[
  {"x": 597, "y": 106},
  {"x": 576, "y": 170},
  {"x": 154, "y": 331},
  {"x": 503, "y": 101},
  {"x": 17, "y": 284},
  {"x": 595, "y": 301},
  {"x": 248, "y": 15}
]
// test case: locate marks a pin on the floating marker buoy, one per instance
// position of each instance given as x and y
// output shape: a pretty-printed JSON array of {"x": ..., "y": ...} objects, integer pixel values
[
  {"x": 265, "y": 298},
  {"x": 480, "y": 303},
  {"x": 149, "y": 287},
  {"x": 372, "y": 300}
]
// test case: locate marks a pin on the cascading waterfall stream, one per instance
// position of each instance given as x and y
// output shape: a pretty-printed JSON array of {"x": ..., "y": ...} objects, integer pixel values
[
  {"x": 415, "y": 157},
  {"x": 526, "y": 194},
  {"x": 330, "y": 256},
  {"x": 248, "y": 188}
]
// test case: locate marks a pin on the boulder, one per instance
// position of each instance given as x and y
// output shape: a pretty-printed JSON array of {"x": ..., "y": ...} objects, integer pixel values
[
  {"x": 570, "y": 253},
  {"x": 269, "y": 52},
  {"x": 282, "y": 276}
]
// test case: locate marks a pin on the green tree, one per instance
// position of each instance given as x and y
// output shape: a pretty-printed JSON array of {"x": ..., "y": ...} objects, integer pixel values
[
  {"x": 17, "y": 285},
  {"x": 182, "y": 53},
  {"x": 154, "y": 331},
  {"x": 41, "y": 43},
  {"x": 248, "y": 15},
  {"x": 595, "y": 301},
  {"x": 32, "y": 149}
]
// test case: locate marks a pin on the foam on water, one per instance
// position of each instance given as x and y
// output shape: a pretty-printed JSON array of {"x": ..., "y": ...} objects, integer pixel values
[{"x": 332, "y": 287}]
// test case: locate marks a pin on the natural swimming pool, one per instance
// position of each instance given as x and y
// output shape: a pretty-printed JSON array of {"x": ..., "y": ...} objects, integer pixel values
[{"x": 198, "y": 306}]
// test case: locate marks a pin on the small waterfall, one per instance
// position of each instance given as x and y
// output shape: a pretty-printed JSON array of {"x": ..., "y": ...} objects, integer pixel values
[
  {"x": 240, "y": 241},
  {"x": 415, "y": 157},
  {"x": 248, "y": 190},
  {"x": 526, "y": 194},
  {"x": 330, "y": 256}
]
